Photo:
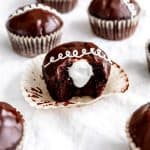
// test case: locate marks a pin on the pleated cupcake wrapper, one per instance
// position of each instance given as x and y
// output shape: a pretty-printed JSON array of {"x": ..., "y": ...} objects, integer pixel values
[
  {"x": 62, "y": 6},
  {"x": 113, "y": 30},
  {"x": 130, "y": 140},
  {"x": 32, "y": 46},
  {"x": 34, "y": 89}
]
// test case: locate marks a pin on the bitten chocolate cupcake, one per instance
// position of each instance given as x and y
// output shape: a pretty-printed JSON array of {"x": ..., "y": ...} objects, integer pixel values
[
  {"x": 11, "y": 128},
  {"x": 34, "y": 29},
  {"x": 62, "y": 6},
  {"x": 76, "y": 69},
  {"x": 138, "y": 129},
  {"x": 114, "y": 19},
  {"x": 71, "y": 75}
]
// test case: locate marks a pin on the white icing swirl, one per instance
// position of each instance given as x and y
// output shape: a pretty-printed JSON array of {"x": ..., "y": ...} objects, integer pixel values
[{"x": 97, "y": 52}]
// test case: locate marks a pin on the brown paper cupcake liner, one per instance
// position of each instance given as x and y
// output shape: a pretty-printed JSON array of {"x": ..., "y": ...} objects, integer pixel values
[
  {"x": 32, "y": 46},
  {"x": 34, "y": 89},
  {"x": 131, "y": 143},
  {"x": 113, "y": 30},
  {"x": 62, "y": 6}
]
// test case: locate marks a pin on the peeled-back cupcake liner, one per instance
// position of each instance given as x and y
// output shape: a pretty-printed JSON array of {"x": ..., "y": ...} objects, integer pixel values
[
  {"x": 34, "y": 89},
  {"x": 62, "y": 6},
  {"x": 32, "y": 46},
  {"x": 113, "y": 29},
  {"x": 130, "y": 140}
]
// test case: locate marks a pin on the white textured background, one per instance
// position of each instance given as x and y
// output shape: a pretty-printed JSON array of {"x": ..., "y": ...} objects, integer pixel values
[{"x": 96, "y": 127}]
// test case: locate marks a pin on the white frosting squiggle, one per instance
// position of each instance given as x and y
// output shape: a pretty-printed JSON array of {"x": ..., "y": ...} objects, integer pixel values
[
  {"x": 80, "y": 72},
  {"x": 97, "y": 52}
]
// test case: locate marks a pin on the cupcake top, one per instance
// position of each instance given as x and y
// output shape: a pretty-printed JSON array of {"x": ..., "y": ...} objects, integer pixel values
[
  {"x": 34, "y": 20},
  {"x": 78, "y": 67},
  {"x": 139, "y": 127},
  {"x": 114, "y": 9},
  {"x": 11, "y": 127}
]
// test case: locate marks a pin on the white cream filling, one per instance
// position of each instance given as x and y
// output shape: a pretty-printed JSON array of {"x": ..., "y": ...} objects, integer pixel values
[{"x": 80, "y": 72}]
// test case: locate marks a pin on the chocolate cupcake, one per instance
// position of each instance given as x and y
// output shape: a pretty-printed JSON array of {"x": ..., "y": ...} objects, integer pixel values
[
  {"x": 34, "y": 29},
  {"x": 62, "y": 6},
  {"x": 71, "y": 75},
  {"x": 148, "y": 55},
  {"x": 138, "y": 129},
  {"x": 76, "y": 69},
  {"x": 11, "y": 128},
  {"x": 114, "y": 19}
]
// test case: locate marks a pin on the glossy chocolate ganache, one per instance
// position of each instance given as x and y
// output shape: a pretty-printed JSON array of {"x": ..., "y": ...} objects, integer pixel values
[
  {"x": 139, "y": 127},
  {"x": 78, "y": 73},
  {"x": 11, "y": 127},
  {"x": 114, "y": 9},
  {"x": 34, "y": 22}
]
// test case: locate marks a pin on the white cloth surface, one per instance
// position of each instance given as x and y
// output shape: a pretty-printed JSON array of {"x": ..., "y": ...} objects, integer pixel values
[{"x": 96, "y": 127}]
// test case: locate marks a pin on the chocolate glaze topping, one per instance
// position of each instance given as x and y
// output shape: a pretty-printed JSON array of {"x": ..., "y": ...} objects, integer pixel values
[
  {"x": 36, "y": 22},
  {"x": 11, "y": 127},
  {"x": 139, "y": 127},
  {"x": 60, "y": 85},
  {"x": 114, "y": 9}
]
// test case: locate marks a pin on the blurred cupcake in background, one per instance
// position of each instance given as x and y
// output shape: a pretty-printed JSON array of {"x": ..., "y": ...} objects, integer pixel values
[
  {"x": 148, "y": 54},
  {"x": 34, "y": 29},
  {"x": 138, "y": 129},
  {"x": 114, "y": 19},
  {"x": 62, "y": 6},
  {"x": 11, "y": 128}
]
